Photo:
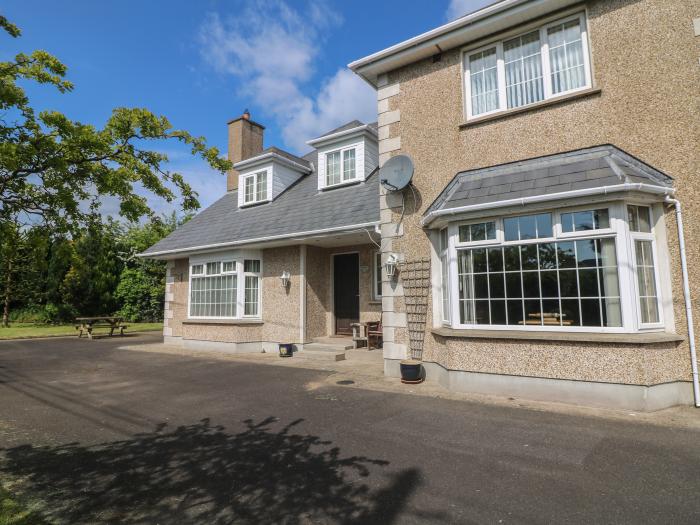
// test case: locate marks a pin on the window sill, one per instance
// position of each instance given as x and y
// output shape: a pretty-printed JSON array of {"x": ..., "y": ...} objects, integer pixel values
[
  {"x": 256, "y": 203},
  {"x": 583, "y": 337},
  {"x": 224, "y": 321},
  {"x": 532, "y": 107},
  {"x": 341, "y": 185}
]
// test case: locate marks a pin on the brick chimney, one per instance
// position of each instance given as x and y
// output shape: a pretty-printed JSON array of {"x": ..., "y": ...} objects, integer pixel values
[{"x": 245, "y": 140}]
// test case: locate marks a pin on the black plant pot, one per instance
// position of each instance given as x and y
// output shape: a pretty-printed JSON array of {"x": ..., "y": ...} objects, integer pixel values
[
  {"x": 286, "y": 350},
  {"x": 411, "y": 371}
]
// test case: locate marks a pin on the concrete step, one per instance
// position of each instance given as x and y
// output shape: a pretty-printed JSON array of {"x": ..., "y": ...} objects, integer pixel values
[
  {"x": 332, "y": 342},
  {"x": 321, "y": 352}
]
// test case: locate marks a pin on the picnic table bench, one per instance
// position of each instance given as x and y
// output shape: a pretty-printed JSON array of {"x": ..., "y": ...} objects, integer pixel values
[{"x": 87, "y": 324}]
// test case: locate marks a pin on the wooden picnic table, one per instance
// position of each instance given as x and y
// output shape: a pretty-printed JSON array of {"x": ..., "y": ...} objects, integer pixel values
[{"x": 87, "y": 324}]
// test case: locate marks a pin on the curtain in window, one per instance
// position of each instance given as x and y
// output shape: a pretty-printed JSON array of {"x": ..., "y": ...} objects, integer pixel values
[
  {"x": 483, "y": 81},
  {"x": 523, "y": 63},
  {"x": 566, "y": 56},
  {"x": 648, "y": 300}
]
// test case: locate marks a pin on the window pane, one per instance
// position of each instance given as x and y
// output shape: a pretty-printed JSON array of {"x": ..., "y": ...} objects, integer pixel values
[
  {"x": 566, "y": 56},
  {"x": 585, "y": 220},
  {"x": 512, "y": 258},
  {"x": 523, "y": 66},
  {"x": 515, "y": 312},
  {"x": 496, "y": 285},
  {"x": 197, "y": 269},
  {"x": 333, "y": 168},
  {"x": 378, "y": 273},
  {"x": 550, "y": 312},
  {"x": 590, "y": 312},
  {"x": 251, "y": 266},
  {"x": 570, "y": 312},
  {"x": 251, "y": 295},
  {"x": 639, "y": 219},
  {"x": 229, "y": 266},
  {"x": 349, "y": 164},
  {"x": 213, "y": 268},
  {"x": 481, "y": 312},
  {"x": 498, "y": 312},
  {"x": 261, "y": 186},
  {"x": 213, "y": 296},
  {"x": 482, "y": 231},
  {"x": 646, "y": 281},
  {"x": 495, "y": 259},
  {"x": 483, "y": 81},
  {"x": 514, "y": 285},
  {"x": 510, "y": 225},
  {"x": 528, "y": 227},
  {"x": 249, "y": 195},
  {"x": 551, "y": 295}
]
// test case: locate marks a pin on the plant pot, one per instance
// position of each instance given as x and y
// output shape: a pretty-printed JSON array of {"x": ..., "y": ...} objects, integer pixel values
[
  {"x": 411, "y": 371},
  {"x": 286, "y": 350}
]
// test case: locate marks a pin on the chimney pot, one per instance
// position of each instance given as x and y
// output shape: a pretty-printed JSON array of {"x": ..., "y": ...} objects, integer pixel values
[{"x": 246, "y": 114}]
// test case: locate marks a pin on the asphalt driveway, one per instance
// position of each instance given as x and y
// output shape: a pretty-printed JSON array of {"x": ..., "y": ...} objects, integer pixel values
[{"x": 101, "y": 435}]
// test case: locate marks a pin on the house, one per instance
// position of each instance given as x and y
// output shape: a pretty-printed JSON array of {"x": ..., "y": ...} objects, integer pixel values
[
  {"x": 289, "y": 254},
  {"x": 553, "y": 142}
]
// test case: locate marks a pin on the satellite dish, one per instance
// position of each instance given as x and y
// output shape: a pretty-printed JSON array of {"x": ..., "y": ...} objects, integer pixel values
[{"x": 396, "y": 173}]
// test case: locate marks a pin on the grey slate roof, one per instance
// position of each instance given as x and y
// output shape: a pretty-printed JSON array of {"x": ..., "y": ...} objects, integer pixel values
[
  {"x": 287, "y": 155},
  {"x": 300, "y": 208},
  {"x": 350, "y": 125},
  {"x": 586, "y": 168}
]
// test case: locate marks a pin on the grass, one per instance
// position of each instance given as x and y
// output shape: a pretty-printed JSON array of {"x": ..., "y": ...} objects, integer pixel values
[
  {"x": 30, "y": 330},
  {"x": 14, "y": 513}
]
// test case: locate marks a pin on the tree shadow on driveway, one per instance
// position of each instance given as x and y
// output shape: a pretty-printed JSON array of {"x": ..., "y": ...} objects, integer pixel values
[{"x": 202, "y": 474}]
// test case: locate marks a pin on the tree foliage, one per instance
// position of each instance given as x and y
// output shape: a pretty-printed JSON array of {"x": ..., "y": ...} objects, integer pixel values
[{"x": 57, "y": 169}]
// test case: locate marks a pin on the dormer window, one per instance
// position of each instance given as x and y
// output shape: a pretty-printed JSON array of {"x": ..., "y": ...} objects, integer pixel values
[
  {"x": 547, "y": 62},
  {"x": 341, "y": 166},
  {"x": 255, "y": 188}
]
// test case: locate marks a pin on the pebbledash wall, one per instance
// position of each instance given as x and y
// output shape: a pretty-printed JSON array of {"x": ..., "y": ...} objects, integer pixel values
[
  {"x": 646, "y": 79},
  {"x": 282, "y": 312}
]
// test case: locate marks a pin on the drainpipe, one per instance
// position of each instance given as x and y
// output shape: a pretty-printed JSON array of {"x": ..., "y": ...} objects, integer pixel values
[{"x": 686, "y": 294}]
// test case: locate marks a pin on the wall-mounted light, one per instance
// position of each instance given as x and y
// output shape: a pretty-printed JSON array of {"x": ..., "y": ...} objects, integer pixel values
[
  {"x": 284, "y": 278},
  {"x": 391, "y": 264}
]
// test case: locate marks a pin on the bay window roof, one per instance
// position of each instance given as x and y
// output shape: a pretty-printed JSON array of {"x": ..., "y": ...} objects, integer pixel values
[{"x": 597, "y": 170}]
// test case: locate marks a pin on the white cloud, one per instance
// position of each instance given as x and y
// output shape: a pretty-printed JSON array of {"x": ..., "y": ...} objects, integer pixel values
[
  {"x": 457, "y": 8},
  {"x": 270, "y": 49}
]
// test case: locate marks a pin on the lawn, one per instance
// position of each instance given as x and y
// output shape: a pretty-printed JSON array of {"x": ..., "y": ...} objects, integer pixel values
[
  {"x": 13, "y": 513},
  {"x": 26, "y": 330}
]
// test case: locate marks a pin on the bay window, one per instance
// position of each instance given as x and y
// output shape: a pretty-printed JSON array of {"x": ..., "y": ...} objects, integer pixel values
[
  {"x": 215, "y": 292},
  {"x": 542, "y": 63},
  {"x": 563, "y": 269}
]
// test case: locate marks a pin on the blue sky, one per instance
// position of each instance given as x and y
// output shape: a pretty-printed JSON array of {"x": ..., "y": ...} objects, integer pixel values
[{"x": 201, "y": 63}]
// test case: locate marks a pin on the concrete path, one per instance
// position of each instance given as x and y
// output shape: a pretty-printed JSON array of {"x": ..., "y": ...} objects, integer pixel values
[{"x": 98, "y": 434}]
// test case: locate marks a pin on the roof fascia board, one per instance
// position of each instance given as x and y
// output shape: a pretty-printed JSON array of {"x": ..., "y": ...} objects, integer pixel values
[
  {"x": 270, "y": 156},
  {"x": 314, "y": 233},
  {"x": 524, "y": 201},
  {"x": 481, "y": 23},
  {"x": 365, "y": 128}
]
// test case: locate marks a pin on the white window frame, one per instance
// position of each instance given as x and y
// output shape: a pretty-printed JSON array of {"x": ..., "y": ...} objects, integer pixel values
[
  {"x": 342, "y": 152},
  {"x": 444, "y": 257},
  {"x": 377, "y": 276},
  {"x": 257, "y": 274},
  {"x": 546, "y": 67},
  {"x": 624, "y": 243},
  {"x": 254, "y": 176},
  {"x": 646, "y": 236},
  {"x": 240, "y": 274}
]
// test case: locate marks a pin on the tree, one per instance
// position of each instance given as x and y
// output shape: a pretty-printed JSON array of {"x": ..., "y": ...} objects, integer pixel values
[
  {"x": 141, "y": 286},
  {"x": 57, "y": 170}
]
